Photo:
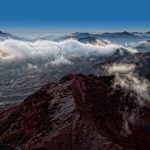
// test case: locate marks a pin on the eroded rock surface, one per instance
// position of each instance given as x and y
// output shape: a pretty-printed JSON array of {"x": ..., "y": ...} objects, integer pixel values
[{"x": 77, "y": 113}]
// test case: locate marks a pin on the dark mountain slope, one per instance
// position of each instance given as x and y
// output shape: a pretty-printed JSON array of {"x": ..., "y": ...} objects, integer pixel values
[{"x": 77, "y": 113}]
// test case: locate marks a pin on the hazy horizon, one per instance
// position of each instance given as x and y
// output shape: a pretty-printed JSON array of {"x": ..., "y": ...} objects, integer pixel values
[{"x": 39, "y": 31}]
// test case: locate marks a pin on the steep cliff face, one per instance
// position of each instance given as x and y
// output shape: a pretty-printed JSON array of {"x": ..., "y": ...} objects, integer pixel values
[{"x": 77, "y": 113}]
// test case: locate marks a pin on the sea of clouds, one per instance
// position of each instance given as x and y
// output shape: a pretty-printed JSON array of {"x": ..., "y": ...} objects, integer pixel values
[{"x": 58, "y": 51}]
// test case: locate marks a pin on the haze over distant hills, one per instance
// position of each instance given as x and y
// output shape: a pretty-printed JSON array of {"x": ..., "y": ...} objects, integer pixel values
[{"x": 4, "y": 35}]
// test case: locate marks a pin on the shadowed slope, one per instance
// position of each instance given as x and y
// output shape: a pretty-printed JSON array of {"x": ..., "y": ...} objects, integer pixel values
[{"x": 76, "y": 113}]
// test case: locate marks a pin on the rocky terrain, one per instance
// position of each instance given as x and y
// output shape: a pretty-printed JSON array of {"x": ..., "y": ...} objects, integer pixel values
[{"x": 77, "y": 113}]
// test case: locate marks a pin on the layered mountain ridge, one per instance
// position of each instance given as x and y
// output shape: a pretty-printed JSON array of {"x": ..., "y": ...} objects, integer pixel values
[{"x": 78, "y": 112}]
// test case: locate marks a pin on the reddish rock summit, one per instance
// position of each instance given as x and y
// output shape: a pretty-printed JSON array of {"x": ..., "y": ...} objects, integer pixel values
[{"x": 76, "y": 113}]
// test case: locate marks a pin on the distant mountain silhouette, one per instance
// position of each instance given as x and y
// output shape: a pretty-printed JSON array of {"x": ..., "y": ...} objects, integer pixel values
[
  {"x": 88, "y": 39},
  {"x": 148, "y": 32},
  {"x": 125, "y": 33},
  {"x": 4, "y": 35},
  {"x": 81, "y": 34}
]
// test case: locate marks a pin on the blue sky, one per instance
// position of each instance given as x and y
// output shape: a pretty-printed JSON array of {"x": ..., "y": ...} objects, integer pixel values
[{"x": 75, "y": 14}]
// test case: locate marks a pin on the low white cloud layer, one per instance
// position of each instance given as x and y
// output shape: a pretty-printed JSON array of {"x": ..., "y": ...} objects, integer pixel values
[
  {"x": 13, "y": 49},
  {"x": 126, "y": 77},
  {"x": 133, "y": 83},
  {"x": 31, "y": 66},
  {"x": 120, "y": 68},
  {"x": 59, "y": 62}
]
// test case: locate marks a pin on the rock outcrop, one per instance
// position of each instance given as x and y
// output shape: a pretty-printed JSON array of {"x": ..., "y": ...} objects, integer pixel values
[{"x": 77, "y": 113}]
